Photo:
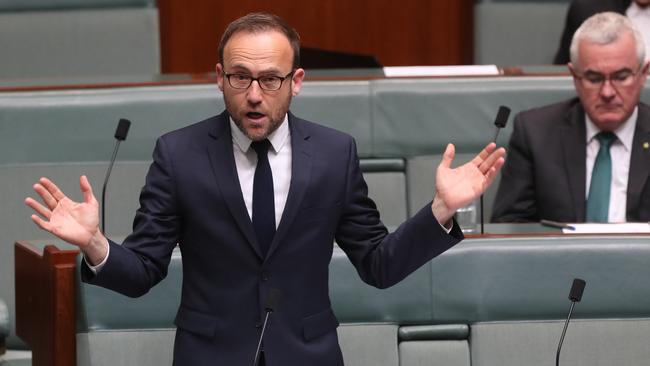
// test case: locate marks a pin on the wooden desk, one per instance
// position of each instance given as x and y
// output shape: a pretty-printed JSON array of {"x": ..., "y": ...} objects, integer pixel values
[{"x": 46, "y": 303}]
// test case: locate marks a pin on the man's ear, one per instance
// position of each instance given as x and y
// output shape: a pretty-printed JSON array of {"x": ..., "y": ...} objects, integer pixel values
[
  {"x": 296, "y": 81},
  {"x": 571, "y": 69}
]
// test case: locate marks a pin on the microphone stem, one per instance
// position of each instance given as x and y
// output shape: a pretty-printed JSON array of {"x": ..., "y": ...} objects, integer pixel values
[
  {"x": 259, "y": 344},
  {"x": 566, "y": 324},
  {"x": 494, "y": 139},
  {"x": 496, "y": 134},
  {"x": 108, "y": 174}
]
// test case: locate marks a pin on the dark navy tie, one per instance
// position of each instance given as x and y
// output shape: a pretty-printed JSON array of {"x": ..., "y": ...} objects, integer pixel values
[{"x": 263, "y": 203}]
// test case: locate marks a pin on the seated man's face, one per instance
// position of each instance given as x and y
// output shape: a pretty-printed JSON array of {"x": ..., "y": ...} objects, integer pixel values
[{"x": 609, "y": 80}]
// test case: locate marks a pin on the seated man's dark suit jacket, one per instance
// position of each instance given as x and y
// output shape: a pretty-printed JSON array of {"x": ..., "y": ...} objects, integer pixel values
[
  {"x": 192, "y": 197},
  {"x": 545, "y": 172},
  {"x": 579, "y": 11}
]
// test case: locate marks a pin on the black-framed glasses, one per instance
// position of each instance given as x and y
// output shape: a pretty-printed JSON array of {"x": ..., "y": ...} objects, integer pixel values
[
  {"x": 244, "y": 81},
  {"x": 619, "y": 79}
]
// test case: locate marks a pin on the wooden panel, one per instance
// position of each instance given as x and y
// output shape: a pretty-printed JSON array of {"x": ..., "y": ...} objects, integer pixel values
[
  {"x": 419, "y": 32},
  {"x": 45, "y": 303}
]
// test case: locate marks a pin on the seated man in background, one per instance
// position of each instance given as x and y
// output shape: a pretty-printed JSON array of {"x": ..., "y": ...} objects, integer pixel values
[
  {"x": 588, "y": 158},
  {"x": 579, "y": 10}
]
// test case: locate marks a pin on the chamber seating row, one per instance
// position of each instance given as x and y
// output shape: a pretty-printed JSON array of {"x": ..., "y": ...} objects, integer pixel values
[
  {"x": 487, "y": 301},
  {"x": 504, "y": 31},
  {"x": 77, "y": 38},
  {"x": 401, "y": 126}
]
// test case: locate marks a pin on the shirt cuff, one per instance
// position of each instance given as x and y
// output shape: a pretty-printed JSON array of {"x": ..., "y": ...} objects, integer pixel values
[
  {"x": 97, "y": 268},
  {"x": 444, "y": 228}
]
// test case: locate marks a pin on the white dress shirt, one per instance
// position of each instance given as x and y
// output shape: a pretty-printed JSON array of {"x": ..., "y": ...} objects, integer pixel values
[
  {"x": 279, "y": 160},
  {"x": 620, "y": 152}
]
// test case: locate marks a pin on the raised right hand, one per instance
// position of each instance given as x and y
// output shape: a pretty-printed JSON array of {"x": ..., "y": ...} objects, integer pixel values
[{"x": 74, "y": 222}]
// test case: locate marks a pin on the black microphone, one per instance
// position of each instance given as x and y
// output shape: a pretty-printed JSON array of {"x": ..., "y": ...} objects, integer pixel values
[
  {"x": 500, "y": 122},
  {"x": 575, "y": 295},
  {"x": 120, "y": 135},
  {"x": 272, "y": 301}
]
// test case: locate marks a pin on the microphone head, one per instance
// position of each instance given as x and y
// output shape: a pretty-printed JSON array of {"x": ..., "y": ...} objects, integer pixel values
[
  {"x": 122, "y": 129},
  {"x": 576, "y": 290},
  {"x": 272, "y": 299},
  {"x": 502, "y": 117}
]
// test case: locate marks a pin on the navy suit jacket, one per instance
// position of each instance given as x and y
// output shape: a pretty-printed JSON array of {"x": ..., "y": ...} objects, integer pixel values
[
  {"x": 192, "y": 197},
  {"x": 544, "y": 176},
  {"x": 579, "y": 11}
]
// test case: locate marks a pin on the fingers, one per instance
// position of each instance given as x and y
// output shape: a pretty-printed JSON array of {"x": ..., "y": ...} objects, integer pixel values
[
  {"x": 480, "y": 157},
  {"x": 40, "y": 209},
  {"x": 41, "y": 223},
  {"x": 86, "y": 189},
  {"x": 490, "y": 160},
  {"x": 494, "y": 169},
  {"x": 448, "y": 156},
  {"x": 52, "y": 188},
  {"x": 45, "y": 195}
]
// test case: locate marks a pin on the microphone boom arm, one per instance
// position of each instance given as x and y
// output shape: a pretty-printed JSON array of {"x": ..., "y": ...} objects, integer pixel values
[{"x": 108, "y": 174}]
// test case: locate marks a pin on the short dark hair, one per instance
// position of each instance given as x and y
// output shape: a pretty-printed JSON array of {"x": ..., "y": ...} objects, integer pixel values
[{"x": 262, "y": 22}]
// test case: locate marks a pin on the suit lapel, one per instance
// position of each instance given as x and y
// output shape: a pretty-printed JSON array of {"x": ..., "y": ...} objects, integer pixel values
[
  {"x": 300, "y": 173},
  {"x": 639, "y": 161},
  {"x": 222, "y": 160},
  {"x": 572, "y": 135}
]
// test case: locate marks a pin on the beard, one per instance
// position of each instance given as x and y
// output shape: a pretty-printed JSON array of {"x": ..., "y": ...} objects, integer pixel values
[{"x": 274, "y": 109}]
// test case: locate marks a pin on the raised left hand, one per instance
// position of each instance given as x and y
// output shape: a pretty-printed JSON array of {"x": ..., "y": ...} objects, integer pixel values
[{"x": 457, "y": 187}]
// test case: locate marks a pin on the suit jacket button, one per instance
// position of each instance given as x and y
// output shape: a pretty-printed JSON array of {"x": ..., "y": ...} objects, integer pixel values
[{"x": 265, "y": 276}]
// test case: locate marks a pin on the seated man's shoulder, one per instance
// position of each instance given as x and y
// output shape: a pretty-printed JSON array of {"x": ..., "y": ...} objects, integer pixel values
[{"x": 550, "y": 114}]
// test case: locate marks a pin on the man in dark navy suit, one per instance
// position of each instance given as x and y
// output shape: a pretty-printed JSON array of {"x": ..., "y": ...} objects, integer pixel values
[{"x": 255, "y": 198}]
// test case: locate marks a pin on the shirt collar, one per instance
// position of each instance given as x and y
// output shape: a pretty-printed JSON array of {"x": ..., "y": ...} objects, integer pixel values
[
  {"x": 625, "y": 132},
  {"x": 278, "y": 138}
]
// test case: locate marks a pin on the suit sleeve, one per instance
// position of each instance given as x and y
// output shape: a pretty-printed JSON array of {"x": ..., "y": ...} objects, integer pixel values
[
  {"x": 515, "y": 200},
  {"x": 142, "y": 260},
  {"x": 383, "y": 259}
]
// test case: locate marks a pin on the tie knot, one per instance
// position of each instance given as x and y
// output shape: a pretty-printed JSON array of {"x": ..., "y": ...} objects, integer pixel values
[
  {"x": 606, "y": 138},
  {"x": 261, "y": 147}
]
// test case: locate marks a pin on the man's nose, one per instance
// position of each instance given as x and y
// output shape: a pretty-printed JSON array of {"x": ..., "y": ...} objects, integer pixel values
[
  {"x": 254, "y": 92},
  {"x": 607, "y": 90}
]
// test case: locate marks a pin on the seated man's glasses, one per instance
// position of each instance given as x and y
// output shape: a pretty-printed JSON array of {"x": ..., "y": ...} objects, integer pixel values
[
  {"x": 244, "y": 81},
  {"x": 619, "y": 79}
]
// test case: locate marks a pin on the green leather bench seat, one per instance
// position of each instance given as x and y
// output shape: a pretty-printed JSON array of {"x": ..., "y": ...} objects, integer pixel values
[
  {"x": 420, "y": 116},
  {"x": 513, "y": 293},
  {"x": 75, "y": 38},
  {"x": 32, "y": 5},
  {"x": 117, "y": 328},
  {"x": 504, "y": 31},
  {"x": 488, "y": 280},
  {"x": 498, "y": 301}
]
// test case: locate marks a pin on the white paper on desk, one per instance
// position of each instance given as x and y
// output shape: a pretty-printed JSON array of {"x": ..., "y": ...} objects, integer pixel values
[
  {"x": 455, "y": 70},
  {"x": 630, "y": 227}
]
